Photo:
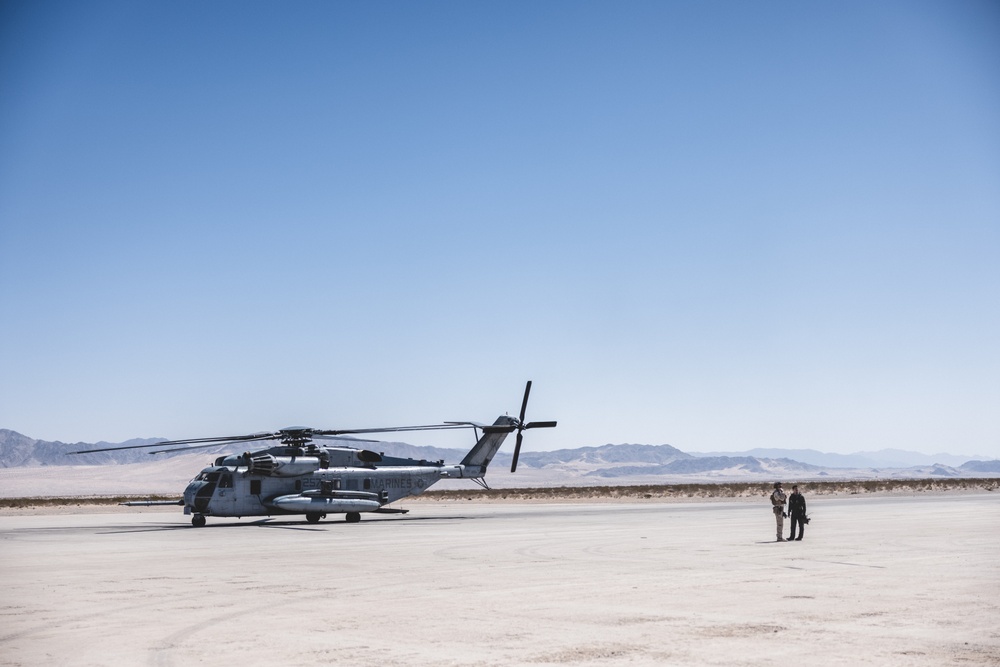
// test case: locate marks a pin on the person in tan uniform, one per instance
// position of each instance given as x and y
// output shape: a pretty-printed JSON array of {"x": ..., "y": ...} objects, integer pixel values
[{"x": 778, "y": 505}]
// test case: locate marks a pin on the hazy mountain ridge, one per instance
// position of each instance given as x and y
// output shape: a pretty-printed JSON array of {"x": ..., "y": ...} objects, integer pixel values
[
  {"x": 625, "y": 453},
  {"x": 992, "y": 465},
  {"x": 734, "y": 465},
  {"x": 884, "y": 458},
  {"x": 17, "y": 450},
  {"x": 607, "y": 461}
]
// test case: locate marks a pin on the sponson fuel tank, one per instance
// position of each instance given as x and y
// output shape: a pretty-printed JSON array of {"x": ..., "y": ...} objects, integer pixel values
[{"x": 323, "y": 504}]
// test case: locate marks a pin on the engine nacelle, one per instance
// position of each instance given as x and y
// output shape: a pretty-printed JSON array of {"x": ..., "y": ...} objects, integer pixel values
[{"x": 282, "y": 466}]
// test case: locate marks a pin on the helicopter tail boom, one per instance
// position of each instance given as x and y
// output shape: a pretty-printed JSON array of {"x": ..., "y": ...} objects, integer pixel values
[
  {"x": 475, "y": 462},
  {"x": 486, "y": 448}
]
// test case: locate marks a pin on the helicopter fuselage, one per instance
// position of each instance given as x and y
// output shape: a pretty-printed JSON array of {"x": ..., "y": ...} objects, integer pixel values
[
  {"x": 301, "y": 477},
  {"x": 236, "y": 491}
]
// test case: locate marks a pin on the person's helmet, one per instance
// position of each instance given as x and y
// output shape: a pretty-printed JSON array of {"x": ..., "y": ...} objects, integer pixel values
[{"x": 777, "y": 485}]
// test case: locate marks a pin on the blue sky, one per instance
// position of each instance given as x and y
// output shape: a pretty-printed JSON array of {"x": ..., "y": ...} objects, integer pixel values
[{"x": 718, "y": 225}]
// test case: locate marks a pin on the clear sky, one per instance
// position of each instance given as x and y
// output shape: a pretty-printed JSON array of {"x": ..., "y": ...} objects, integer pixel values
[{"x": 718, "y": 225}]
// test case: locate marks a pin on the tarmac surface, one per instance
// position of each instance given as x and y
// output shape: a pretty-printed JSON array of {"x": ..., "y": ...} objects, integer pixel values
[{"x": 876, "y": 581}]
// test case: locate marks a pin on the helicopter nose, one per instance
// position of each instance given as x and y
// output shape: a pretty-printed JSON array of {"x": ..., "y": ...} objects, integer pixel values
[{"x": 191, "y": 492}]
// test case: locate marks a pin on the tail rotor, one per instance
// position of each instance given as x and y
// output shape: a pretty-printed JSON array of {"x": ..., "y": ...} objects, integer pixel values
[{"x": 521, "y": 426}]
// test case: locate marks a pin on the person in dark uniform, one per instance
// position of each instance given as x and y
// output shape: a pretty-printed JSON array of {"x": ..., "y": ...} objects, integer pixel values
[{"x": 797, "y": 512}]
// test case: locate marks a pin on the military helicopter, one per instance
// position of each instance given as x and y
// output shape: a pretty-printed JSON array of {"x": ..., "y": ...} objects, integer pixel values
[{"x": 300, "y": 477}]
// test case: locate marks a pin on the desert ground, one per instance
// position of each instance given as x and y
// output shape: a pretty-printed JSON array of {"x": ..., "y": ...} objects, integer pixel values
[{"x": 876, "y": 581}]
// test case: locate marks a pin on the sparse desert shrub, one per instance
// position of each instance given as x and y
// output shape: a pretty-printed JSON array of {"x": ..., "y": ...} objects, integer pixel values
[{"x": 645, "y": 491}]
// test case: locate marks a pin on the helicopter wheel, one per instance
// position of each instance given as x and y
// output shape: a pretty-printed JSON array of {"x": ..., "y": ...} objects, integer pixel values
[
  {"x": 314, "y": 517},
  {"x": 353, "y": 517},
  {"x": 198, "y": 520}
]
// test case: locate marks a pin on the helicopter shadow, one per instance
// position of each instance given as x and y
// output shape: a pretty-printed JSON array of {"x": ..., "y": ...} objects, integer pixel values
[
  {"x": 424, "y": 518},
  {"x": 277, "y": 524},
  {"x": 285, "y": 525}
]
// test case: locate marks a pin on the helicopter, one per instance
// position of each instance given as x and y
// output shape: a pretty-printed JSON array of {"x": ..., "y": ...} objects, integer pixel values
[{"x": 300, "y": 477}]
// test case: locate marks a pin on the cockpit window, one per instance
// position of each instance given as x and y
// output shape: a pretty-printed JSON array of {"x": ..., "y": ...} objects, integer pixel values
[{"x": 226, "y": 481}]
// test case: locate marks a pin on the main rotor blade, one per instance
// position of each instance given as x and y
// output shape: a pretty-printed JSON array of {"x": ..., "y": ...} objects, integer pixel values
[
  {"x": 540, "y": 425},
  {"x": 394, "y": 429},
  {"x": 242, "y": 438},
  {"x": 111, "y": 449},
  {"x": 524, "y": 403},
  {"x": 236, "y": 442},
  {"x": 211, "y": 442},
  {"x": 183, "y": 449},
  {"x": 228, "y": 438},
  {"x": 337, "y": 437},
  {"x": 517, "y": 452}
]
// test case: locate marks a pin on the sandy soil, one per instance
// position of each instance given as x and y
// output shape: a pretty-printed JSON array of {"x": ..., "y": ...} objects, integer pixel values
[{"x": 877, "y": 581}]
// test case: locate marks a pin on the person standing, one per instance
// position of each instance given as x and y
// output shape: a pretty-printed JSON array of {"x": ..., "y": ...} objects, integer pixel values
[
  {"x": 778, "y": 505},
  {"x": 797, "y": 513}
]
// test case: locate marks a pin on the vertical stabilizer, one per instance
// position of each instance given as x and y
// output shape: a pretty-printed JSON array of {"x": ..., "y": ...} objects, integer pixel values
[{"x": 486, "y": 448}]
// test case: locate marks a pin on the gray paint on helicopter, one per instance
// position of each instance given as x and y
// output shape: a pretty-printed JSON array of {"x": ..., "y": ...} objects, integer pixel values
[{"x": 301, "y": 477}]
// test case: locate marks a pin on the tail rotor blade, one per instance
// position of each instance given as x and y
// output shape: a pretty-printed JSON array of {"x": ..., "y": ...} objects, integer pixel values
[
  {"x": 540, "y": 425},
  {"x": 517, "y": 451},
  {"x": 524, "y": 403}
]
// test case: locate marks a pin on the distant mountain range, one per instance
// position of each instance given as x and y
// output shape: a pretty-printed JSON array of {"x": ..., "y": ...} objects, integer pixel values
[
  {"x": 18, "y": 450},
  {"x": 608, "y": 462},
  {"x": 884, "y": 458}
]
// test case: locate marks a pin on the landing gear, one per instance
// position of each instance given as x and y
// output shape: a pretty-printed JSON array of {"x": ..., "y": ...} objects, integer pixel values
[
  {"x": 353, "y": 517},
  {"x": 314, "y": 517},
  {"x": 198, "y": 520}
]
